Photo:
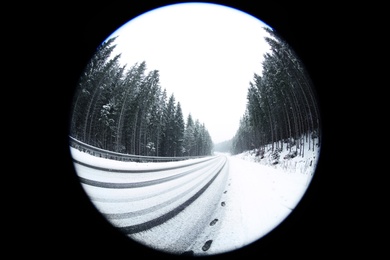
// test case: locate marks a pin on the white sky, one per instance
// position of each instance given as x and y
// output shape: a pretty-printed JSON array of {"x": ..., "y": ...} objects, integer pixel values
[{"x": 206, "y": 55}]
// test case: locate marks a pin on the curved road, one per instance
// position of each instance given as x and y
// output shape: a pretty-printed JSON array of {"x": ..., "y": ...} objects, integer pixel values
[{"x": 172, "y": 207}]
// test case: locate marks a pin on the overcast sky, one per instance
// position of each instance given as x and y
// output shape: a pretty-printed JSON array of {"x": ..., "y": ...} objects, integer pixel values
[{"x": 206, "y": 55}]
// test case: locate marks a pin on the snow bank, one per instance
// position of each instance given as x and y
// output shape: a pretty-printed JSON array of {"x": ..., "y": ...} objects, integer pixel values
[{"x": 305, "y": 164}]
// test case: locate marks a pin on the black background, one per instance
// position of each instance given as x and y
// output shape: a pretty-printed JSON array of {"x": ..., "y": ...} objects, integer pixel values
[{"x": 63, "y": 222}]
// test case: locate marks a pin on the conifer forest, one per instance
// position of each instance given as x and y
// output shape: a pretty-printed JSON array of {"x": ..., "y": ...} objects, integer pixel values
[
  {"x": 125, "y": 109},
  {"x": 282, "y": 111}
]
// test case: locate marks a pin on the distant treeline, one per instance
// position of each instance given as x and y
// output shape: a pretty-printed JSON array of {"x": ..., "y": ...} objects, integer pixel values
[
  {"x": 281, "y": 106},
  {"x": 224, "y": 147},
  {"x": 127, "y": 111}
]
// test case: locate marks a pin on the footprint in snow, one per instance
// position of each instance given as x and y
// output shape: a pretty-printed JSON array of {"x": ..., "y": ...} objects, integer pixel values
[
  {"x": 212, "y": 223},
  {"x": 207, "y": 245}
]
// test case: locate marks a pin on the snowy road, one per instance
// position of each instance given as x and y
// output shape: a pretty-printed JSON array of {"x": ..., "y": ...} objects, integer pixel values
[{"x": 199, "y": 206}]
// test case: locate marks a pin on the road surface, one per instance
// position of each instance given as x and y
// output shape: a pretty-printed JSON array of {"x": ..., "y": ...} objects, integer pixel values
[{"x": 200, "y": 206}]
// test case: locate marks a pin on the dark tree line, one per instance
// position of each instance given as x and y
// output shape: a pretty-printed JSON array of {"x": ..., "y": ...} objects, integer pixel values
[
  {"x": 125, "y": 110},
  {"x": 281, "y": 107}
]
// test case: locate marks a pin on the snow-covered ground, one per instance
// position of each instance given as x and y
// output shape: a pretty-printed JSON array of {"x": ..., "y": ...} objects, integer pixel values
[
  {"x": 305, "y": 164},
  {"x": 261, "y": 195},
  {"x": 258, "y": 196}
]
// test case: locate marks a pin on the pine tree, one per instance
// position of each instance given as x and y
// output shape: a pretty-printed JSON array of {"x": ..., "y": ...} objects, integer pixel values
[
  {"x": 179, "y": 131},
  {"x": 92, "y": 82},
  {"x": 168, "y": 137},
  {"x": 189, "y": 136},
  {"x": 128, "y": 90}
]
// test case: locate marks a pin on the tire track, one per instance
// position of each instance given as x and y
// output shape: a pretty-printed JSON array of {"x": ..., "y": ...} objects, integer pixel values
[
  {"x": 130, "y": 185},
  {"x": 139, "y": 170},
  {"x": 165, "y": 211},
  {"x": 141, "y": 197},
  {"x": 165, "y": 203},
  {"x": 169, "y": 215}
]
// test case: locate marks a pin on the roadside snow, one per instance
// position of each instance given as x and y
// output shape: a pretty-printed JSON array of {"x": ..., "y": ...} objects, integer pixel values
[
  {"x": 305, "y": 163},
  {"x": 261, "y": 195}
]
